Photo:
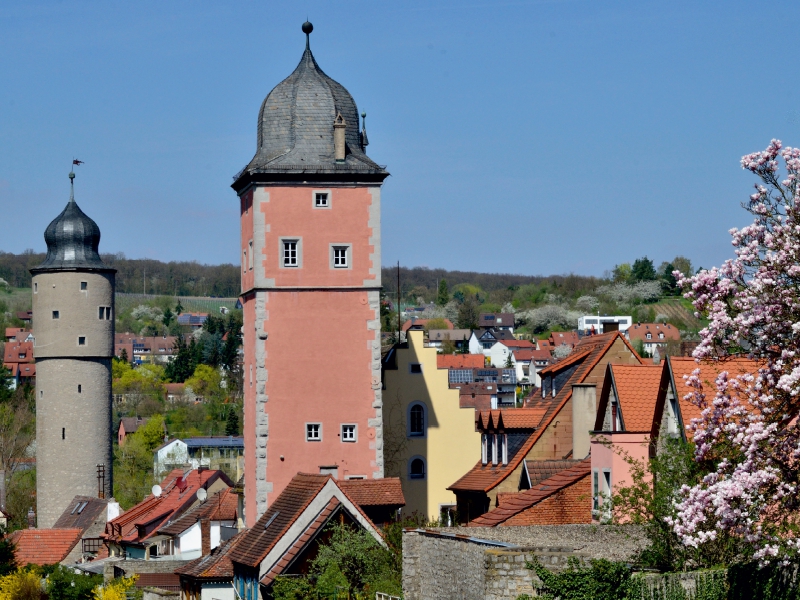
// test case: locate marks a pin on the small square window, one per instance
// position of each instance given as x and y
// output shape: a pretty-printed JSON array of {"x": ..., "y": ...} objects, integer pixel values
[
  {"x": 290, "y": 253},
  {"x": 55, "y": 314},
  {"x": 340, "y": 257},
  {"x": 321, "y": 200},
  {"x": 313, "y": 432},
  {"x": 348, "y": 433},
  {"x": 84, "y": 285},
  {"x": 81, "y": 341},
  {"x": 415, "y": 368}
]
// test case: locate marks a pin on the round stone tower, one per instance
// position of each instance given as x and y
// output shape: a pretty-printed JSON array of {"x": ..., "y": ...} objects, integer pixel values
[{"x": 73, "y": 327}]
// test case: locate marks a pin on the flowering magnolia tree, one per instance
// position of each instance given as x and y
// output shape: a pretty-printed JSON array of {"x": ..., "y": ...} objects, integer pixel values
[{"x": 749, "y": 428}]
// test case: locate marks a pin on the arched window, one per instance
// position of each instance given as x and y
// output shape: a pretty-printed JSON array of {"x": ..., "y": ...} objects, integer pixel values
[
  {"x": 416, "y": 468},
  {"x": 416, "y": 420}
]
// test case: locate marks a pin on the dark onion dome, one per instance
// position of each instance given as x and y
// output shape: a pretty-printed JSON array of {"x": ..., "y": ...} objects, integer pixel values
[
  {"x": 72, "y": 240},
  {"x": 295, "y": 126}
]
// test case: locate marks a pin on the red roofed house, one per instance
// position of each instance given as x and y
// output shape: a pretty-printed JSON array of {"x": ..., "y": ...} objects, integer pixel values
[
  {"x": 18, "y": 334},
  {"x": 18, "y": 358},
  {"x": 286, "y": 537},
  {"x": 564, "y": 338},
  {"x": 135, "y": 533},
  {"x": 653, "y": 335},
  {"x": 555, "y": 427},
  {"x": 44, "y": 546},
  {"x": 629, "y": 415},
  {"x": 460, "y": 361}
]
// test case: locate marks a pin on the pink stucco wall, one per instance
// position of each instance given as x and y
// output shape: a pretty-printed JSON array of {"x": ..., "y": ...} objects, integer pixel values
[
  {"x": 322, "y": 345},
  {"x": 612, "y": 456}
]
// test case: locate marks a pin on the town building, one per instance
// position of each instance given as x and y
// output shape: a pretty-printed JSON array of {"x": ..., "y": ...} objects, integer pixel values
[
  {"x": 222, "y": 452},
  {"x": 19, "y": 360},
  {"x": 73, "y": 304},
  {"x": 596, "y": 324},
  {"x": 429, "y": 440},
  {"x": 654, "y": 335},
  {"x": 310, "y": 246},
  {"x": 499, "y": 321}
]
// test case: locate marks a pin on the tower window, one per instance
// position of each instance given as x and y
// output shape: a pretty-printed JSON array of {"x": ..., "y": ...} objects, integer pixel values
[
  {"x": 84, "y": 285},
  {"x": 101, "y": 312},
  {"x": 79, "y": 388},
  {"x": 252, "y": 257},
  {"x": 416, "y": 468},
  {"x": 108, "y": 313},
  {"x": 35, "y": 288},
  {"x": 55, "y": 314},
  {"x": 81, "y": 341},
  {"x": 348, "y": 433},
  {"x": 321, "y": 200},
  {"x": 340, "y": 257},
  {"x": 63, "y": 433},
  {"x": 313, "y": 432},
  {"x": 290, "y": 253},
  {"x": 244, "y": 261}
]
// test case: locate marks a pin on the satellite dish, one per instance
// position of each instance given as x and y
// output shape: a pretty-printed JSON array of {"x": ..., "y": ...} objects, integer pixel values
[
  {"x": 156, "y": 490},
  {"x": 202, "y": 495}
]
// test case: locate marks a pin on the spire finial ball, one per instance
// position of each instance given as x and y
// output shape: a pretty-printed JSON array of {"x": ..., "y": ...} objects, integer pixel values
[
  {"x": 72, "y": 174},
  {"x": 307, "y": 28}
]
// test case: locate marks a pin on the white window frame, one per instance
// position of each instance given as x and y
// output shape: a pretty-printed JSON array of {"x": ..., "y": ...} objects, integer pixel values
[
  {"x": 298, "y": 249},
  {"x": 348, "y": 256},
  {"x": 354, "y": 438},
  {"x": 327, "y": 204},
  {"x": 308, "y": 427},
  {"x": 484, "y": 449}
]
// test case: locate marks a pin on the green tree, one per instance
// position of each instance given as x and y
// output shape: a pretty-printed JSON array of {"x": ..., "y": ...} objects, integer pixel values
[
  {"x": 443, "y": 297},
  {"x": 468, "y": 314},
  {"x": 622, "y": 273},
  {"x": 185, "y": 360},
  {"x": 179, "y": 308},
  {"x": 123, "y": 356},
  {"x": 232, "y": 422},
  {"x": 668, "y": 281},
  {"x": 206, "y": 382},
  {"x": 6, "y": 393},
  {"x": 7, "y": 561},
  {"x": 133, "y": 471},
  {"x": 509, "y": 361},
  {"x": 683, "y": 264},
  {"x": 65, "y": 584},
  {"x": 152, "y": 432},
  {"x": 168, "y": 317},
  {"x": 643, "y": 270}
]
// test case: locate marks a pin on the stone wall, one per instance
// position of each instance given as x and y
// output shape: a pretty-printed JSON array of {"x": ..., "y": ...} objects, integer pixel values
[
  {"x": 476, "y": 563},
  {"x": 128, "y": 567}
]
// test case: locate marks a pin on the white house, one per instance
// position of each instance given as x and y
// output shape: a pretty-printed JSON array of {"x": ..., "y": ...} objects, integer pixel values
[
  {"x": 170, "y": 455},
  {"x": 603, "y": 324}
]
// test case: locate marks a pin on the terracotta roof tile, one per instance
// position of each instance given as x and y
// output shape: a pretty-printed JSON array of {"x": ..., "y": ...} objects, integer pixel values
[
  {"x": 374, "y": 492},
  {"x": 222, "y": 506},
  {"x": 570, "y": 338},
  {"x": 420, "y": 323},
  {"x": 639, "y": 331},
  {"x": 539, "y": 470},
  {"x": 709, "y": 370},
  {"x": 216, "y": 565},
  {"x": 460, "y": 361},
  {"x": 288, "y": 506},
  {"x": 44, "y": 546},
  {"x": 514, "y": 504},
  {"x": 637, "y": 388}
]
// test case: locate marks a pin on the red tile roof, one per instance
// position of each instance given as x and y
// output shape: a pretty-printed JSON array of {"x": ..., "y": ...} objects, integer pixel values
[
  {"x": 15, "y": 350},
  {"x": 513, "y": 504},
  {"x": 43, "y": 546},
  {"x": 374, "y": 492},
  {"x": 539, "y": 470},
  {"x": 570, "y": 338},
  {"x": 178, "y": 494},
  {"x": 587, "y": 355},
  {"x": 709, "y": 370},
  {"x": 637, "y": 390},
  {"x": 511, "y": 418},
  {"x": 216, "y": 565},
  {"x": 222, "y": 506},
  {"x": 460, "y": 361},
  {"x": 639, "y": 331},
  {"x": 518, "y": 344}
]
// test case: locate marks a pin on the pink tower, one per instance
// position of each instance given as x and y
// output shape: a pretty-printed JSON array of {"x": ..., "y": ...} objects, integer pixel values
[{"x": 311, "y": 278}]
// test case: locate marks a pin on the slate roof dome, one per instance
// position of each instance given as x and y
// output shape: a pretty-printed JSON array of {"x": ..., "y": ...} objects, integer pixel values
[
  {"x": 72, "y": 240},
  {"x": 295, "y": 126}
]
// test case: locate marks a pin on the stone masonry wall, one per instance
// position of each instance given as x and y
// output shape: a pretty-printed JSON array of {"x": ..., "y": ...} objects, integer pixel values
[{"x": 489, "y": 562}]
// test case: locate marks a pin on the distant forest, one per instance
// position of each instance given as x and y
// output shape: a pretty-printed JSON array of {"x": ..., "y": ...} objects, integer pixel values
[
  {"x": 193, "y": 279},
  {"x": 141, "y": 276}
]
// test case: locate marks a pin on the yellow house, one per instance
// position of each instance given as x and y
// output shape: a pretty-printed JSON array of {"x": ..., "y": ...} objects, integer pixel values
[{"x": 428, "y": 441}]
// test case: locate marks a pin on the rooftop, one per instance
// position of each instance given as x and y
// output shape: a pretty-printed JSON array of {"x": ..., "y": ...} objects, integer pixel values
[{"x": 44, "y": 546}]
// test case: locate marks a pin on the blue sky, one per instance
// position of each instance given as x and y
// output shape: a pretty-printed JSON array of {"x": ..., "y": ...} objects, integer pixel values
[{"x": 536, "y": 137}]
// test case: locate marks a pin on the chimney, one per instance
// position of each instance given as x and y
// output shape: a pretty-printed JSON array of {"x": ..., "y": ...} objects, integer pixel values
[
  {"x": 656, "y": 356},
  {"x": 584, "y": 411},
  {"x": 339, "y": 125},
  {"x": 205, "y": 537},
  {"x": 31, "y": 518}
]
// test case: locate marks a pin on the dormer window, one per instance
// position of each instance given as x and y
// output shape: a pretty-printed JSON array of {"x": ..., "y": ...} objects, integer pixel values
[
  {"x": 661, "y": 336},
  {"x": 649, "y": 336}
]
